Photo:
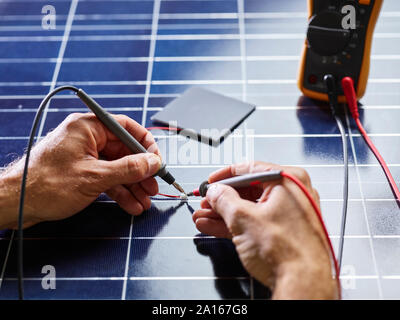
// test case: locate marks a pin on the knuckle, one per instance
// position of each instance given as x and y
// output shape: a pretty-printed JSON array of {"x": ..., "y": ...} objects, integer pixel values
[
  {"x": 122, "y": 118},
  {"x": 74, "y": 120},
  {"x": 73, "y": 117},
  {"x": 137, "y": 167},
  {"x": 316, "y": 193},
  {"x": 303, "y": 176}
]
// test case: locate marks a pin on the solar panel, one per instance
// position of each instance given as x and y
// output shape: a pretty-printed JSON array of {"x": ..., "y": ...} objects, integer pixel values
[{"x": 134, "y": 57}]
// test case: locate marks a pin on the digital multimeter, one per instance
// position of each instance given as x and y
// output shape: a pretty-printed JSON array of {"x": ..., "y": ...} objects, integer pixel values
[{"x": 331, "y": 48}]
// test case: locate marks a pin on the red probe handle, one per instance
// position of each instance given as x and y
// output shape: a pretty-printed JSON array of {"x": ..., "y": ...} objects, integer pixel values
[{"x": 351, "y": 97}]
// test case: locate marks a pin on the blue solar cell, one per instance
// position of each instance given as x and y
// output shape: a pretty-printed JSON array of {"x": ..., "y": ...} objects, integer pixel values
[
  {"x": 97, "y": 71},
  {"x": 79, "y": 258},
  {"x": 199, "y": 7},
  {"x": 138, "y": 48},
  {"x": 40, "y": 72},
  {"x": 65, "y": 289},
  {"x": 15, "y": 124},
  {"x": 168, "y": 48},
  {"x": 200, "y": 257}
]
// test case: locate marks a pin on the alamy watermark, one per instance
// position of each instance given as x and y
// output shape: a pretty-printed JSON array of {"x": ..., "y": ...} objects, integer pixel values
[
  {"x": 49, "y": 17},
  {"x": 349, "y": 21},
  {"x": 190, "y": 148},
  {"x": 49, "y": 280}
]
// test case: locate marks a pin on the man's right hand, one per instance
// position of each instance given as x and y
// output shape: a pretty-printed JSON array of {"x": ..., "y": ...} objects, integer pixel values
[{"x": 275, "y": 230}]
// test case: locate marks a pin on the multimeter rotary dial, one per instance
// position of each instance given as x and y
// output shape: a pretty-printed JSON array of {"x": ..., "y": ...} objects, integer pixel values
[{"x": 326, "y": 35}]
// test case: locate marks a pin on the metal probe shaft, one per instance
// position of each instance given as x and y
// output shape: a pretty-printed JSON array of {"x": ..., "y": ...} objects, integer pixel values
[{"x": 119, "y": 131}]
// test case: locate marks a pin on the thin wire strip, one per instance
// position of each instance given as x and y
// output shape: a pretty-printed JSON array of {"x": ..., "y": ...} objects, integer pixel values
[
  {"x": 330, "y": 83},
  {"x": 345, "y": 189},
  {"x": 351, "y": 98}
]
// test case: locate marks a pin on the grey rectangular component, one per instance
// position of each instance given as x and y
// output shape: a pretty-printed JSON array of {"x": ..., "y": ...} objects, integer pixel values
[{"x": 198, "y": 109}]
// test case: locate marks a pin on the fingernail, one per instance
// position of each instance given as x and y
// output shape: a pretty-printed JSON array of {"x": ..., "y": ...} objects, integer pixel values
[{"x": 154, "y": 162}]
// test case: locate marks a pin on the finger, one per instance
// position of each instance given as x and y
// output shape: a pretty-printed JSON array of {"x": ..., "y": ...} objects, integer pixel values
[
  {"x": 205, "y": 213},
  {"x": 300, "y": 174},
  {"x": 150, "y": 186},
  {"x": 140, "y": 133},
  {"x": 213, "y": 227},
  {"x": 242, "y": 168},
  {"x": 114, "y": 148},
  {"x": 140, "y": 195},
  {"x": 317, "y": 197},
  {"x": 129, "y": 169},
  {"x": 204, "y": 204},
  {"x": 226, "y": 201},
  {"x": 125, "y": 199}
]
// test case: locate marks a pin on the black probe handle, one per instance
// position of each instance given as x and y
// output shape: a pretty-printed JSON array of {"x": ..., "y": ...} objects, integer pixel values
[
  {"x": 245, "y": 180},
  {"x": 119, "y": 131}
]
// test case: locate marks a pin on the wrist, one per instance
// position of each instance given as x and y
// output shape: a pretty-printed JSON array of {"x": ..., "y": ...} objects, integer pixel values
[{"x": 306, "y": 278}]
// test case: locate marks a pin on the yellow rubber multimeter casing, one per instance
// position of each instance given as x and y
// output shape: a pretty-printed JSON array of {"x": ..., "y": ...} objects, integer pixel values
[{"x": 332, "y": 49}]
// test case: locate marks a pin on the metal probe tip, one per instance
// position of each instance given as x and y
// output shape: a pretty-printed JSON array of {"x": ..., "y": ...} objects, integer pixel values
[{"x": 179, "y": 188}]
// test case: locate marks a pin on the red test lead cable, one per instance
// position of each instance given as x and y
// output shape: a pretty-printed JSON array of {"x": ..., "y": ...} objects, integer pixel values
[
  {"x": 321, "y": 221},
  {"x": 349, "y": 92}
]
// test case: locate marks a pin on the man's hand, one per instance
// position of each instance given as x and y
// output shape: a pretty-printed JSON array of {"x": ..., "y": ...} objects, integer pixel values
[
  {"x": 76, "y": 162},
  {"x": 274, "y": 228}
]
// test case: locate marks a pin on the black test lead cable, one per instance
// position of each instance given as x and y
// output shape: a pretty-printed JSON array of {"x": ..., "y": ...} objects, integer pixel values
[
  {"x": 132, "y": 144},
  {"x": 330, "y": 84},
  {"x": 35, "y": 124}
]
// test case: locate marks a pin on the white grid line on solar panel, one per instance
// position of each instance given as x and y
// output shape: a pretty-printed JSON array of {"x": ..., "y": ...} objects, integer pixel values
[
  {"x": 132, "y": 27},
  {"x": 3, "y": 269},
  {"x": 204, "y": 278},
  {"x": 180, "y": 16},
  {"x": 353, "y": 149},
  {"x": 93, "y": 1},
  {"x": 131, "y": 278},
  {"x": 153, "y": 95},
  {"x": 389, "y": 236},
  {"x": 57, "y": 68},
  {"x": 128, "y": 254},
  {"x": 152, "y": 50},
  {"x": 260, "y": 108},
  {"x": 243, "y": 64},
  {"x": 177, "y": 37},
  {"x": 257, "y": 136},
  {"x": 215, "y": 166},
  {"x": 155, "y": 15},
  {"x": 171, "y": 82},
  {"x": 384, "y": 57}
]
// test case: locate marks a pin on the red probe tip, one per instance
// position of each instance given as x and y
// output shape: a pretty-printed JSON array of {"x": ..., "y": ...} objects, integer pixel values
[{"x": 351, "y": 97}]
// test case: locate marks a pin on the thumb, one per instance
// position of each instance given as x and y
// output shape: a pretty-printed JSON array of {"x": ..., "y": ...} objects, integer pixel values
[
  {"x": 131, "y": 169},
  {"x": 227, "y": 202}
]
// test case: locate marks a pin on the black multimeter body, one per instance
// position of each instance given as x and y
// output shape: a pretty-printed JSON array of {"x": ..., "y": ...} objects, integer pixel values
[{"x": 332, "y": 49}]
